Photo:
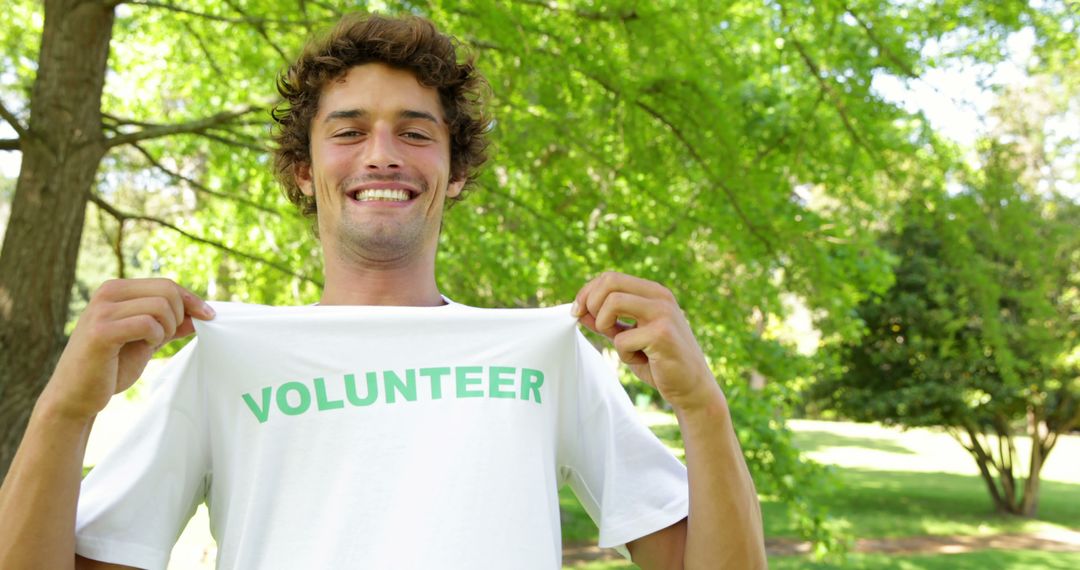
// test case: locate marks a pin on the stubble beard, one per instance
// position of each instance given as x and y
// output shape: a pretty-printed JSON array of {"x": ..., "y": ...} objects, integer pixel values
[{"x": 382, "y": 239}]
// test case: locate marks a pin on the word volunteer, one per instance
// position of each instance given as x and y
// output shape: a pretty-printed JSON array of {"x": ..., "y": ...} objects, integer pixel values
[{"x": 295, "y": 398}]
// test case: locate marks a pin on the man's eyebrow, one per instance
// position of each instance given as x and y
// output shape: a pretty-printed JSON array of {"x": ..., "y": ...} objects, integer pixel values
[
  {"x": 358, "y": 113},
  {"x": 411, "y": 114},
  {"x": 344, "y": 114}
]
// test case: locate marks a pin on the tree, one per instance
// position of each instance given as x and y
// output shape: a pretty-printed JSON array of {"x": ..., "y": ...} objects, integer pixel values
[
  {"x": 664, "y": 139},
  {"x": 977, "y": 335}
]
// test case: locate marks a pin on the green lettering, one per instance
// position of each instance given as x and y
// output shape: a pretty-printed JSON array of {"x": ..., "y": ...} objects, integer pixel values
[
  {"x": 322, "y": 401},
  {"x": 531, "y": 380},
  {"x": 498, "y": 377},
  {"x": 263, "y": 413},
  {"x": 283, "y": 398},
  {"x": 394, "y": 384},
  {"x": 372, "y": 390},
  {"x": 435, "y": 374},
  {"x": 468, "y": 376}
]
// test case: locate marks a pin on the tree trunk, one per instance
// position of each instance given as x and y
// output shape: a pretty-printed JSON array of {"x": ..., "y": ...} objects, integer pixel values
[
  {"x": 984, "y": 461},
  {"x": 60, "y": 156},
  {"x": 1039, "y": 449}
]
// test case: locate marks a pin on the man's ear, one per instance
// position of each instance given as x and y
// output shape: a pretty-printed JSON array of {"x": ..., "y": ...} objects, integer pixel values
[
  {"x": 453, "y": 190},
  {"x": 302, "y": 176}
]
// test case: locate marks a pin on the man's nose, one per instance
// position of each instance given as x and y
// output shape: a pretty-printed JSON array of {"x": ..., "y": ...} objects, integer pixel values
[{"x": 382, "y": 151}]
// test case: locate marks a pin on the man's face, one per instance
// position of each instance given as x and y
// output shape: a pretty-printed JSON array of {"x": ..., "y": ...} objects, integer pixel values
[{"x": 380, "y": 165}]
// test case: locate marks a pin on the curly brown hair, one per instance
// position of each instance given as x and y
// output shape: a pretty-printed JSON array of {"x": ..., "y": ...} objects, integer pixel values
[{"x": 410, "y": 43}]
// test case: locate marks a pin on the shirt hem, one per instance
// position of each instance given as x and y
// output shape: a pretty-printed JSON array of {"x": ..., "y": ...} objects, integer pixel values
[
  {"x": 119, "y": 552},
  {"x": 643, "y": 526}
]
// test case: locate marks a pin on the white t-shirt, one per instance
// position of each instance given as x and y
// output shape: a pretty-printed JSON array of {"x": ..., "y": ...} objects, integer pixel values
[{"x": 380, "y": 437}]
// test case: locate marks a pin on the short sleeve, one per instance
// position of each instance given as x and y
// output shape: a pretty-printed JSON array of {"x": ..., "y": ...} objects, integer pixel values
[
  {"x": 135, "y": 503},
  {"x": 628, "y": 482}
]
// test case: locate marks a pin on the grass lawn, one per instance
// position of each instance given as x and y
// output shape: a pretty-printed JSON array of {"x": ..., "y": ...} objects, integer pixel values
[
  {"x": 896, "y": 483},
  {"x": 984, "y": 560},
  {"x": 916, "y": 482}
]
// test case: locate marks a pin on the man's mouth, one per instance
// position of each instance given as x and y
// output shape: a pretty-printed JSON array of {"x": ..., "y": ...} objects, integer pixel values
[{"x": 381, "y": 195}]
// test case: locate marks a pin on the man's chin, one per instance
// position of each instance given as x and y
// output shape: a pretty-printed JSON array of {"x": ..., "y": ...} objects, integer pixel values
[{"x": 383, "y": 245}]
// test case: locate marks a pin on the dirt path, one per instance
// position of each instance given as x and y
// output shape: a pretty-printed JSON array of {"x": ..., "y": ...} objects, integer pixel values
[{"x": 1053, "y": 541}]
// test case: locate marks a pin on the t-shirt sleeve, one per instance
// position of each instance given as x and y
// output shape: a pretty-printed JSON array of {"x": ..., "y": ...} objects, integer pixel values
[
  {"x": 135, "y": 503},
  {"x": 628, "y": 482}
]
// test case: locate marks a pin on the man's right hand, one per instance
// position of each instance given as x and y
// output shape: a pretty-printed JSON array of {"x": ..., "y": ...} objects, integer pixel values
[{"x": 126, "y": 321}]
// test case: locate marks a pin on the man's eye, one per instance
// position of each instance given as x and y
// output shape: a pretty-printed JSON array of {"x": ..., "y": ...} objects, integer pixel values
[
  {"x": 348, "y": 133},
  {"x": 416, "y": 136}
]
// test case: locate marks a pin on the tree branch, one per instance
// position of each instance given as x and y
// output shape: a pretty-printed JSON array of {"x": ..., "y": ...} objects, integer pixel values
[
  {"x": 198, "y": 187},
  {"x": 122, "y": 216},
  {"x": 557, "y": 231},
  {"x": 752, "y": 228},
  {"x": 10, "y": 144},
  {"x": 908, "y": 71},
  {"x": 585, "y": 14},
  {"x": 12, "y": 120},
  {"x": 232, "y": 142},
  {"x": 116, "y": 244},
  {"x": 214, "y": 17},
  {"x": 841, "y": 109},
  {"x": 219, "y": 75},
  {"x": 199, "y": 126},
  {"x": 261, "y": 29}
]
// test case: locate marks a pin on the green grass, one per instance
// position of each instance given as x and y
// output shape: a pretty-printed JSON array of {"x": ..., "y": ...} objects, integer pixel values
[
  {"x": 576, "y": 524},
  {"x": 894, "y": 483},
  {"x": 982, "y": 560},
  {"x": 897, "y": 503},
  {"x": 606, "y": 565},
  {"x": 920, "y": 481}
]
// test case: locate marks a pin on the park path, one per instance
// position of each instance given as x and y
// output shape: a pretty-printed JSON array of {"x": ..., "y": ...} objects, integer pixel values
[{"x": 1053, "y": 540}]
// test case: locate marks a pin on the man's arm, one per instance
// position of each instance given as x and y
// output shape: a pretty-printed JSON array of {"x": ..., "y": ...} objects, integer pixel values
[
  {"x": 724, "y": 528},
  {"x": 43, "y": 485},
  {"x": 121, "y": 328}
]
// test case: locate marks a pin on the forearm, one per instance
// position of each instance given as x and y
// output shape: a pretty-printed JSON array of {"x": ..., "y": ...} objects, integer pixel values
[
  {"x": 724, "y": 529},
  {"x": 40, "y": 492}
]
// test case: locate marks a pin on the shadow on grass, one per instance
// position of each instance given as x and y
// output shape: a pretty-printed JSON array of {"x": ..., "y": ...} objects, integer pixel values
[
  {"x": 813, "y": 440},
  {"x": 899, "y": 503}
]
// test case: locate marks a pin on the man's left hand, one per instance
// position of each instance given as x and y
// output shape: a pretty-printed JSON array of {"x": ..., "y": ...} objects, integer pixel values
[{"x": 658, "y": 346}]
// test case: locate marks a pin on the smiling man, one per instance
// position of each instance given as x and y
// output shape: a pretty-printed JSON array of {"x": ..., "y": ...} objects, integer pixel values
[{"x": 381, "y": 127}]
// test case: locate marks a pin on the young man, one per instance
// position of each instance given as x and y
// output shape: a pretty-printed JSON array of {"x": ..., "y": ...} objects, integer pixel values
[{"x": 382, "y": 128}]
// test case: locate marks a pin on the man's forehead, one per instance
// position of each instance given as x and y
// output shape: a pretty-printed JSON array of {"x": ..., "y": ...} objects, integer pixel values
[{"x": 376, "y": 88}]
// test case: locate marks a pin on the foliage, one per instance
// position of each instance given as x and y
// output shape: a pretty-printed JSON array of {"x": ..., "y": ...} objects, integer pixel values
[
  {"x": 734, "y": 151},
  {"x": 976, "y": 333}
]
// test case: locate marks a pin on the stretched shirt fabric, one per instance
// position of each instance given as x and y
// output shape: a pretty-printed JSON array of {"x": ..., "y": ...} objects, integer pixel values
[{"x": 380, "y": 437}]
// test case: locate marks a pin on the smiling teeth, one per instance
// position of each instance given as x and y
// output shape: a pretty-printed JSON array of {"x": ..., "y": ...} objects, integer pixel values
[{"x": 388, "y": 195}]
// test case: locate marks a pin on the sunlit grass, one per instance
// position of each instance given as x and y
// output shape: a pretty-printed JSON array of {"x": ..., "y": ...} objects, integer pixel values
[
  {"x": 895, "y": 483},
  {"x": 872, "y": 446},
  {"x": 982, "y": 560}
]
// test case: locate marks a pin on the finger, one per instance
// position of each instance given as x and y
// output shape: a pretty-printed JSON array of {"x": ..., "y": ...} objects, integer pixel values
[
  {"x": 186, "y": 328},
  {"x": 158, "y": 307},
  {"x": 590, "y": 323},
  {"x": 135, "y": 328},
  {"x": 587, "y": 298},
  {"x": 182, "y": 300},
  {"x": 631, "y": 345},
  {"x": 618, "y": 304}
]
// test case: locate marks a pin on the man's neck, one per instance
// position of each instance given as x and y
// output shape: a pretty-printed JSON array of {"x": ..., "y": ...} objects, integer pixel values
[{"x": 411, "y": 285}]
